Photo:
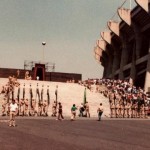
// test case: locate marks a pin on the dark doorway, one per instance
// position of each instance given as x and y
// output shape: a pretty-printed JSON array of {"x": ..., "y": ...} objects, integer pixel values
[
  {"x": 140, "y": 80},
  {"x": 39, "y": 73}
]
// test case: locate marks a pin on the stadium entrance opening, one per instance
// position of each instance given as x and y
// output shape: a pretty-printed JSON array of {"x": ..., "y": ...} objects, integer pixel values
[
  {"x": 39, "y": 72},
  {"x": 140, "y": 80}
]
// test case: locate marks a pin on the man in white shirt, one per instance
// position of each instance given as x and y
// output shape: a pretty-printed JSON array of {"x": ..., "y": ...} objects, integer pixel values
[{"x": 13, "y": 111}]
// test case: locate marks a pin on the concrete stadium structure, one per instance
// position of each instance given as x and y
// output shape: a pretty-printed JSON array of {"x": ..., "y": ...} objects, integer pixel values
[{"x": 124, "y": 49}]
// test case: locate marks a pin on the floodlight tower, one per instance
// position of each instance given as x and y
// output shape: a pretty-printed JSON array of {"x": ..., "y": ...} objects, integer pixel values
[{"x": 43, "y": 43}]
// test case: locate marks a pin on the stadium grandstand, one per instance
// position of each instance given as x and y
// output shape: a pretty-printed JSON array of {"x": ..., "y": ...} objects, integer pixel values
[{"x": 124, "y": 47}]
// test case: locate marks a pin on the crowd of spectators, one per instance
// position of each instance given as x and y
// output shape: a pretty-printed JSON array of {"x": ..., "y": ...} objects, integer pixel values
[
  {"x": 125, "y": 99},
  {"x": 88, "y": 84}
]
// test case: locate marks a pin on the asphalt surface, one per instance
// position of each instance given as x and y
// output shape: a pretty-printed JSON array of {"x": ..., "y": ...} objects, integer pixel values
[{"x": 82, "y": 134}]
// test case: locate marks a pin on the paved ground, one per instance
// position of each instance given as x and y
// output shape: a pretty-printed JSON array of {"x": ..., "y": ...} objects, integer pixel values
[{"x": 82, "y": 134}]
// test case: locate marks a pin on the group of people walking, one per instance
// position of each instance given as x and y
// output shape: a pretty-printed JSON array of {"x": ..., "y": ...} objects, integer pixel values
[{"x": 84, "y": 108}]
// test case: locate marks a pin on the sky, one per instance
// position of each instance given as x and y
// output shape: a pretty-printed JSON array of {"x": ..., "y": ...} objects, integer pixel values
[{"x": 70, "y": 29}]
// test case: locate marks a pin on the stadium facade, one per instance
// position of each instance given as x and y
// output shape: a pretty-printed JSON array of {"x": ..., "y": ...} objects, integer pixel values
[{"x": 124, "y": 49}]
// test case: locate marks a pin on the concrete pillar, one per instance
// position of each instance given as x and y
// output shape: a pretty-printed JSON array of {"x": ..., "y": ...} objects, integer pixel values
[
  {"x": 147, "y": 77},
  {"x": 97, "y": 58},
  {"x": 133, "y": 69},
  {"x": 138, "y": 45},
  {"x": 106, "y": 35},
  {"x": 138, "y": 40},
  {"x": 143, "y": 4},
  {"x": 105, "y": 73},
  {"x": 125, "y": 15},
  {"x": 115, "y": 61},
  {"x": 102, "y": 44},
  {"x": 97, "y": 53},
  {"x": 114, "y": 27},
  {"x": 110, "y": 65},
  {"x": 105, "y": 64},
  {"x": 124, "y": 55}
]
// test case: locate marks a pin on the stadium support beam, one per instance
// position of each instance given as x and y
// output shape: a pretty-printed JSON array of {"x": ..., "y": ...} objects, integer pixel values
[
  {"x": 98, "y": 53},
  {"x": 133, "y": 66},
  {"x": 105, "y": 63},
  {"x": 143, "y": 4},
  {"x": 125, "y": 15},
  {"x": 98, "y": 50},
  {"x": 102, "y": 44},
  {"x": 123, "y": 56},
  {"x": 97, "y": 58},
  {"x": 106, "y": 35},
  {"x": 138, "y": 40},
  {"x": 114, "y": 27},
  {"x": 147, "y": 77},
  {"x": 102, "y": 61}
]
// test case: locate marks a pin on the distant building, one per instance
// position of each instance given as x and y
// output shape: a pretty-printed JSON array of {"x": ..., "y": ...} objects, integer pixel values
[{"x": 44, "y": 72}]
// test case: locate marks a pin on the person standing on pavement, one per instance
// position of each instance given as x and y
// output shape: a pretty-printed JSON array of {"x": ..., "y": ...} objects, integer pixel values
[
  {"x": 60, "y": 115},
  {"x": 81, "y": 110},
  {"x": 100, "y": 111},
  {"x": 13, "y": 112},
  {"x": 73, "y": 112},
  {"x": 87, "y": 109},
  {"x": 54, "y": 109},
  {"x": 26, "y": 110}
]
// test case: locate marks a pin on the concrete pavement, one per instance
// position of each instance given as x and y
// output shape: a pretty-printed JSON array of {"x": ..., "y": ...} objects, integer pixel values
[{"x": 82, "y": 134}]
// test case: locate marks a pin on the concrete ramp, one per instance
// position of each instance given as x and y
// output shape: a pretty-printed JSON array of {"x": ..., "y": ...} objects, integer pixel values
[{"x": 68, "y": 94}]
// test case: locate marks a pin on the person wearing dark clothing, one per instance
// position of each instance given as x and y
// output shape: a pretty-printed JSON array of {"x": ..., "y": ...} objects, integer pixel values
[
  {"x": 81, "y": 109},
  {"x": 100, "y": 111},
  {"x": 60, "y": 115}
]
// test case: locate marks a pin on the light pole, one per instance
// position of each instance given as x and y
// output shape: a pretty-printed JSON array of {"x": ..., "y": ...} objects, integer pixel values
[{"x": 43, "y": 43}]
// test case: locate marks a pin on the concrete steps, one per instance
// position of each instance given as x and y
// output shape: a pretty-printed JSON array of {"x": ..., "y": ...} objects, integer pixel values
[{"x": 68, "y": 94}]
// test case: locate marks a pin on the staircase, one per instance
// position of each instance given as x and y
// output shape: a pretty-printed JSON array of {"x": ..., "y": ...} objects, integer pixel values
[{"x": 68, "y": 94}]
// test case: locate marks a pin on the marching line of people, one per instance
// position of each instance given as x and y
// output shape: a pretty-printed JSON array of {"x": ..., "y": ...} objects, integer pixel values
[
  {"x": 26, "y": 106},
  {"x": 35, "y": 104}
]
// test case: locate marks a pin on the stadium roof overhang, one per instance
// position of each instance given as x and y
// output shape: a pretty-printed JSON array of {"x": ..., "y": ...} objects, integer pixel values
[{"x": 138, "y": 16}]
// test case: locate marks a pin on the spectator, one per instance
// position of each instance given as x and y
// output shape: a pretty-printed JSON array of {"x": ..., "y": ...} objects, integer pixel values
[
  {"x": 73, "y": 112},
  {"x": 100, "y": 111},
  {"x": 13, "y": 112}
]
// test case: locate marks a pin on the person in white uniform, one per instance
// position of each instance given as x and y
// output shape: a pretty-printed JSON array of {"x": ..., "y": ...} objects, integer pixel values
[{"x": 13, "y": 112}]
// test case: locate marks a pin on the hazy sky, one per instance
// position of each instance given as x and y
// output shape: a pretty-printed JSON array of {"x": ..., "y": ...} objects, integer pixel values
[{"x": 70, "y": 29}]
